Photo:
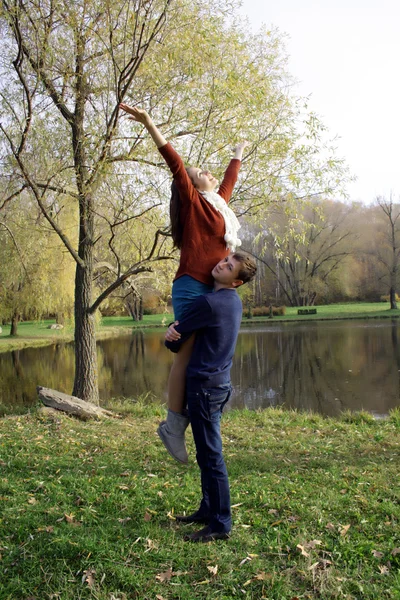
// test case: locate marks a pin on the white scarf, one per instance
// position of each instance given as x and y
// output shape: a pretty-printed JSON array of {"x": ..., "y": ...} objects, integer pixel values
[{"x": 232, "y": 225}]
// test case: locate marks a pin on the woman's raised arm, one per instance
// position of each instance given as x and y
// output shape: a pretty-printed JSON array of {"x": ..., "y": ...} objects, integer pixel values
[{"x": 143, "y": 117}]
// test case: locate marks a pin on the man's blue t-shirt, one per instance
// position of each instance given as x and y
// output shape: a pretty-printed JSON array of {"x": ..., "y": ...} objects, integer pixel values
[{"x": 216, "y": 319}]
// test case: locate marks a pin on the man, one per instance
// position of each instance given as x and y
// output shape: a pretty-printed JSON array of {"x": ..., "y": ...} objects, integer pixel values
[{"x": 216, "y": 319}]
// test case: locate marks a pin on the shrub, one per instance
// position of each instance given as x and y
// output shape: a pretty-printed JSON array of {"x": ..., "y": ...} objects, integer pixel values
[
  {"x": 264, "y": 311},
  {"x": 387, "y": 298}
]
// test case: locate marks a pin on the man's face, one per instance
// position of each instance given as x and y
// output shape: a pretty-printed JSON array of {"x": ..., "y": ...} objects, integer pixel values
[{"x": 226, "y": 272}]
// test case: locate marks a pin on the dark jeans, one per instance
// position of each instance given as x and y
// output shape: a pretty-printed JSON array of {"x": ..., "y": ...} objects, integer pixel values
[{"x": 205, "y": 410}]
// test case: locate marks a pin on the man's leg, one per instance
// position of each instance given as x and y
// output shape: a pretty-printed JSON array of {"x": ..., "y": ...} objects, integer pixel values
[{"x": 205, "y": 410}]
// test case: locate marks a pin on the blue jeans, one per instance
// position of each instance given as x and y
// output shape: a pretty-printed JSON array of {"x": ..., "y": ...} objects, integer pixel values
[{"x": 205, "y": 410}]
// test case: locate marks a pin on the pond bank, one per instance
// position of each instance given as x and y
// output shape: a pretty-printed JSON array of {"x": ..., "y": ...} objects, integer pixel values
[
  {"x": 37, "y": 334},
  {"x": 92, "y": 505}
]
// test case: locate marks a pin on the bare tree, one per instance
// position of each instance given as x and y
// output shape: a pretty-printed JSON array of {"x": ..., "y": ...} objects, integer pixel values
[{"x": 387, "y": 244}]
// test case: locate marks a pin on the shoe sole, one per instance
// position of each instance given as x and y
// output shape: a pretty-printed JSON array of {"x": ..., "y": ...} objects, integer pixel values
[{"x": 164, "y": 440}]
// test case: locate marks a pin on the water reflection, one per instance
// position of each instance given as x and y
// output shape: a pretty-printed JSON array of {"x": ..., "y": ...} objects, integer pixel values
[{"x": 325, "y": 367}]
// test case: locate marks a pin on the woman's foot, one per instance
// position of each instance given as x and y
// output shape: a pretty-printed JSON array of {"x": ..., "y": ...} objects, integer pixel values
[{"x": 172, "y": 435}]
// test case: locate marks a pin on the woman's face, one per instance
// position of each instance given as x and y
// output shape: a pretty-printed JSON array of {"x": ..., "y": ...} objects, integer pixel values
[{"x": 202, "y": 180}]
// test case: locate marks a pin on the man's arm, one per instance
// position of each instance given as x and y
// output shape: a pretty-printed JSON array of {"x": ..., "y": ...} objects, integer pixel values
[{"x": 196, "y": 317}]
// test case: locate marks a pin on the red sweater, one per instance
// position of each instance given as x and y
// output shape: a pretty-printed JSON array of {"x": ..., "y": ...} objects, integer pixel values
[{"x": 203, "y": 244}]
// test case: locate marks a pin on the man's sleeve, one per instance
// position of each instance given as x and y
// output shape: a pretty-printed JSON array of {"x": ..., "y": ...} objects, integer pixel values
[{"x": 197, "y": 317}]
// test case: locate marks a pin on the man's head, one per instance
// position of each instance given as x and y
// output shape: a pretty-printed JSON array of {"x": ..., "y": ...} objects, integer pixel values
[{"x": 234, "y": 270}]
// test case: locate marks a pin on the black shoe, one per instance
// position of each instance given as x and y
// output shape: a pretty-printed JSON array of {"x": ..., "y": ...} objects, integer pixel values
[
  {"x": 194, "y": 518},
  {"x": 206, "y": 535}
]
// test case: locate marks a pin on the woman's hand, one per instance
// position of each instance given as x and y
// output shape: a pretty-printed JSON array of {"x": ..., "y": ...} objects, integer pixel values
[
  {"x": 141, "y": 116},
  {"x": 238, "y": 149},
  {"x": 171, "y": 334},
  {"x": 136, "y": 114}
]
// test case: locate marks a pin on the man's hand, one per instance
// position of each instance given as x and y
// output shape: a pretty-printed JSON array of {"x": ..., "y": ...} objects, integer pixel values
[
  {"x": 136, "y": 114},
  {"x": 172, "y": 335}
]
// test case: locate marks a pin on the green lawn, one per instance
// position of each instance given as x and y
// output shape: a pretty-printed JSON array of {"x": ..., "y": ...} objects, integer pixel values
[
  {"x": 31, "y": 333},
  {"x": 88, "y": 509}
]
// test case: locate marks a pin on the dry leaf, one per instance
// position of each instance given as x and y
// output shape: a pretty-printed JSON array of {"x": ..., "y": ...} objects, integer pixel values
[
  {"x": 311, "y": 545},
  {"x": 147, "y": 516},
  {"x": 163, "y": 577},
  {"x": 384, "y": 570},
  {"x": 69, "y": 518},
  {"x": 272, "y": 511},
  {"x": 123, "y": 487},
  {"x": 32, "y": 500},
  {"x": 124, "y": 521},
  {"x": 263, "y": 576},
  {"x": 88, "y": 576},
  {"x": 344, "y": 530},
  {"x": 213, "y": 570},
  {"x": 330, "y": 526},
  {"x": 304, "y": 553},
  {"x": 158, "y": 597},
  {"x": 395, "y": 551},
  {"x": 377, "y": 554},
  {"x": 124, "y": 474},
  {"x": 245, "y": 560}
]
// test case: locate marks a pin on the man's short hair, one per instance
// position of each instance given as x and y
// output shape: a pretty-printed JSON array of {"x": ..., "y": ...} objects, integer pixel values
[{"x": 248, "y": 267}]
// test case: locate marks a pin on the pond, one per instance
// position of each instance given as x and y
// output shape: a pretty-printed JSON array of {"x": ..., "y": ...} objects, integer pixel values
[{"x": 325, "y": 367}]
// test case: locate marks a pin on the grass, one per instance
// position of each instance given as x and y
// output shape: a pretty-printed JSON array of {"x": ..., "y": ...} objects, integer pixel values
[
  {"x": 34, "y": 333},
  {"x": 88, "y": 509},
  {"x": 357, "y": 310}
]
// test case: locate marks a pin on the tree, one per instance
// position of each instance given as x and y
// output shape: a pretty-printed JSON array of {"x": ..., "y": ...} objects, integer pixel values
[
  {"x": 206, "y": 82},
  {"x": 306, "y": 247},
  {"x": 387, "y": 244}
]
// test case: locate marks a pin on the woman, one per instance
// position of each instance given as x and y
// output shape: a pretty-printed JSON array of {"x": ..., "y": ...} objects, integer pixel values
[{"x": 205, "y": 231}]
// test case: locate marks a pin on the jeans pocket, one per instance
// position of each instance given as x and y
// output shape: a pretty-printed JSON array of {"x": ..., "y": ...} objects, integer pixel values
[{"x": 216, "y": 400}]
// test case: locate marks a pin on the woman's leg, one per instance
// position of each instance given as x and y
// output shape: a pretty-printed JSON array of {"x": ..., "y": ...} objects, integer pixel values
[
  {"x": 177, "y": 377},
  {"x": 172, "y": 431}
]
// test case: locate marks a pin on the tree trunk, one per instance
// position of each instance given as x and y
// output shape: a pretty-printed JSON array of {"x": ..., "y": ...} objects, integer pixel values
[
  {"x": 393, "y": 303},
  {"x": 14, "y": 324},
  {"x": 86, "y": 373}
]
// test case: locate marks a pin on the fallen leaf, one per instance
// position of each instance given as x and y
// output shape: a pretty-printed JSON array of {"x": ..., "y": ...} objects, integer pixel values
[
  {"x": 395, "y": 551},
  {"x": 158, "y": 597},
  {"x": 125, "y": 474},
  {"x": 32, "y": 500},
  {"x": 88, "y": 576},
  {"x": 147, "y": 516},
  {"x": 69, "y": 518},
  {"x": 263, "y": 576},
  {"x": 245, "y": 560},
  {"x": 344, "y": 530},
  {"x": 330, "y": 526},
  {"x": 384, "y": 570},
  {"x": 344, "y": 491},
  {"x": 123, "y": 487},
  {"x": 304, "y": 553},
  {"x": 124, "y": 521},
  {"x": 163, "y": 577},
  {"x": 377, "y": 554},
  {"x": 213, "y": 570},
  {"x": 273, "y": 511}
]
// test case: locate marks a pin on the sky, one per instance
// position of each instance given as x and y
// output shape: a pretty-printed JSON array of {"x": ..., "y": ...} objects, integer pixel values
[{"x": 345, "y": 55}]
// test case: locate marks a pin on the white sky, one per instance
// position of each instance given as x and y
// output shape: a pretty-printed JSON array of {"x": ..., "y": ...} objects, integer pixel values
[{"x": 346, "y": 54}]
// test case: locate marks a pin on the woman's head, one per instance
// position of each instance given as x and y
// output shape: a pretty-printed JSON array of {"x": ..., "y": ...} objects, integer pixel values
[{"x": 202, "y": 179}]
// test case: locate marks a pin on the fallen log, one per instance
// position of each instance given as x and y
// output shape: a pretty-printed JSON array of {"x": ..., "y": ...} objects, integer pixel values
[{"x": 71, "y": 404}]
